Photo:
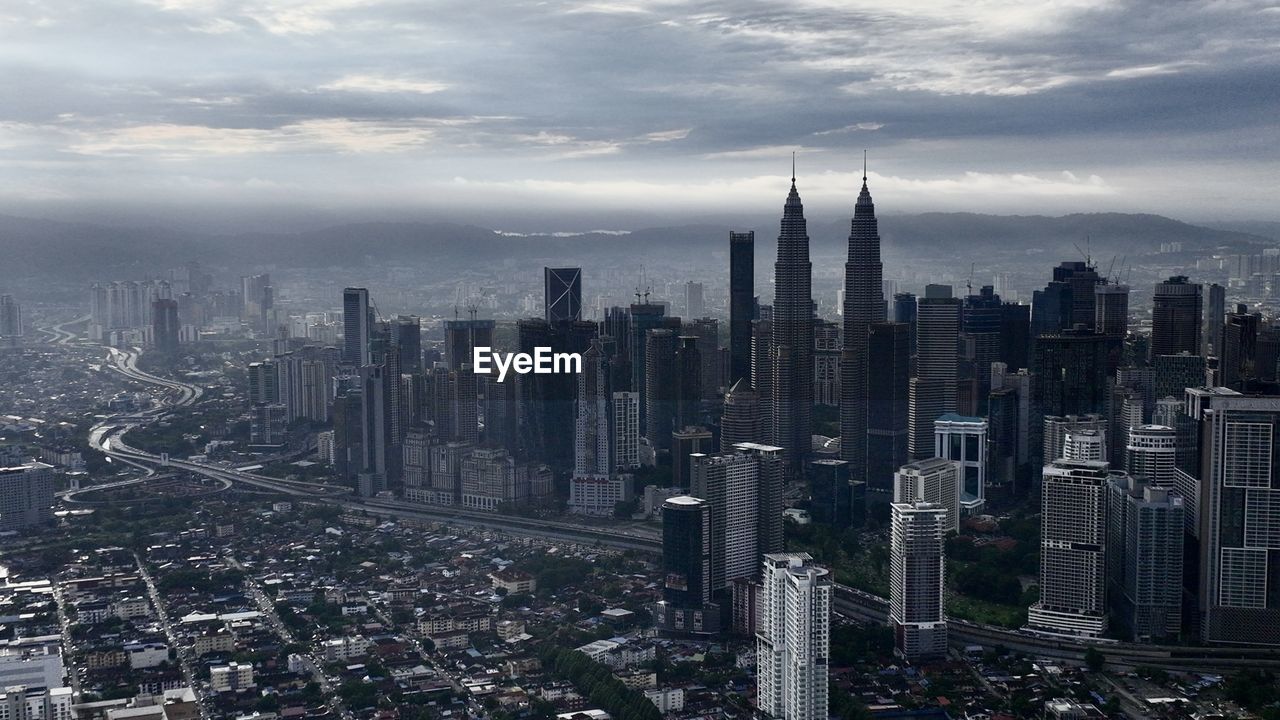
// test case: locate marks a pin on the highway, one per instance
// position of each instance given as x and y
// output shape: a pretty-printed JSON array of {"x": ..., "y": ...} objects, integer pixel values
[{"x": 849, "y": 602}]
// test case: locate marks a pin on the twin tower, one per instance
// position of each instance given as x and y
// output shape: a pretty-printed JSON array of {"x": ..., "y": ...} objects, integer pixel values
[{"x": 792, "y": 343}]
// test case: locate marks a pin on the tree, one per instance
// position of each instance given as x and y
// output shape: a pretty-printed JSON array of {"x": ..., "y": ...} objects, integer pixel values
[{"x": 1094, "y": 659}]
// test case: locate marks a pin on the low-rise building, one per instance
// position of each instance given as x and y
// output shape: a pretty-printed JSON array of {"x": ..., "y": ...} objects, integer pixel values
[{"x": 231, "y": 677}]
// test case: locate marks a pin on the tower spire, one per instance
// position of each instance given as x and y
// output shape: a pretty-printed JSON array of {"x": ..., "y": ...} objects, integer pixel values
[
  {"x": 864, "y": 166},
  {"x": 793, "y": 167}
]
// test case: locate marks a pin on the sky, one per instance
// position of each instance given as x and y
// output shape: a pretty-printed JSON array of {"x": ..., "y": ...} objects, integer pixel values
[{"x": 463, "y": 108}]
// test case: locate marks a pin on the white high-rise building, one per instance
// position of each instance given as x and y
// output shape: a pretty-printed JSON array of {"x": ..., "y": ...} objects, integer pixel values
[
  {"x": 916, "y": 573},
  {"x": 1151, "y": 454},
  {"x": 963, "y": 440},
  {"x": 626, "y": 429},
  {"x": 1056, "y": 428},
  {"x": 1084, "y": 445},
  {"x": 1073, "y": 543},
  {"x": 936, "y": 481},
  {"x": 793, "y": 642}
]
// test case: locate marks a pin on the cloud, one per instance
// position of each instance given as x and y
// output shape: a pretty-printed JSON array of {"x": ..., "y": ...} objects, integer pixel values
[
  {"x": 376, "y": 84},
  {"x": 191, "y": 141},
  {"x": 335, "y": 96},
  {"x": 867, "y": 126}
]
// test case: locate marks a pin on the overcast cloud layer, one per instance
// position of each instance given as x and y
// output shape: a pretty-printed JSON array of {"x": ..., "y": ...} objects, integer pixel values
[{"x": 994, "y": 106}]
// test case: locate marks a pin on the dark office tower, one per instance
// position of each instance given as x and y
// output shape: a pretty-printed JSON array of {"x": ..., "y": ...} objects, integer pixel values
[
  {"x": 1081, "y": 277},
  {"x": 888, "y": 402},
  {"x": 563, "y": 294},
  {"x": 1051, "y": 309},
  {"x": 1070, "y": 374},
  {"x": 1176, "y": 318},
  {"x": 1002, "y": 438},
  {"x": 1239, "y": 347},
  {"x": 863, "y": 306},
  {"x": 688, "y": 378},
  {"x": 372, "y": 473},
  {"x": 356, "y": 330},
  {"x": 831, "y": 491},
  {"x": 644, "y": 317},
  {"x": 707, "y": 330},
  {"x": 904, "y": 311},
  {"x": 1111, "y": 309},
  {"x": 659, "y": 407},
  {"x": 165, "y": 326},
  {"x": 742, "y": 303},
  {"x": 406, "y": 334},
  {"x": 547, "y": 400},
  {"x": 981, "y": 325},
  {"x": 793, "y": 336},
  {"x": 686, "y": 606},
  {"x": 463, "y": 405},
  {"x": 1015, "y": 335},
  {"x": 264, "y": 388},
  {"x": 932, "y": 392},
  {"x": 348, "y": 435},
  {"x": 1171, "y": 375},
  {"x": 1238, "y": 538},
  {"x": 762, "y": 373},
  {"x": 501, "y": 411},
  {"x": 1214, "y": 314},
  {"x": 461, "y": 337},
  {"x": 741, "y": 421},
  {"x": 617, "y": 327}
]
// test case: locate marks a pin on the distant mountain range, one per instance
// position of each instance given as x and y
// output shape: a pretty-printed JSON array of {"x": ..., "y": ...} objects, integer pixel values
[{"x": 33, "y": 246}]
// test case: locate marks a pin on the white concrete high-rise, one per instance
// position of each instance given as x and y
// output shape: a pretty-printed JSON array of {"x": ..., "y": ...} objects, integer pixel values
[
  {"x": 935, "y": 481},
  {"x": 793, "y": 642},
  {"x": 917, "y": 567},
  {"x": 1056, "y": 428},
  {"x": 1073, "y": 544},
  {"x": 1084, "y": 445},
  {"x": 1151, "y": 453}
]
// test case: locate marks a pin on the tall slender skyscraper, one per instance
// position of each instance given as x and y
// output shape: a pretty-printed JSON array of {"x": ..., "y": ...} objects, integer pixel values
[
  {"x": 888, "y": 384},
  {"x": 1214, "y": 314},
  {"x": 794, "y": 640},
  {"x": 916, "y": 572},
  {"x": 356, "y": 327},
  {"x": 863, "y": 306},
  {"x": 793, "y": 336},
  {"x": 933, "y": 390},
  {"x": 165, "y": 325},
  {"x": 742, "y": 289}
]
